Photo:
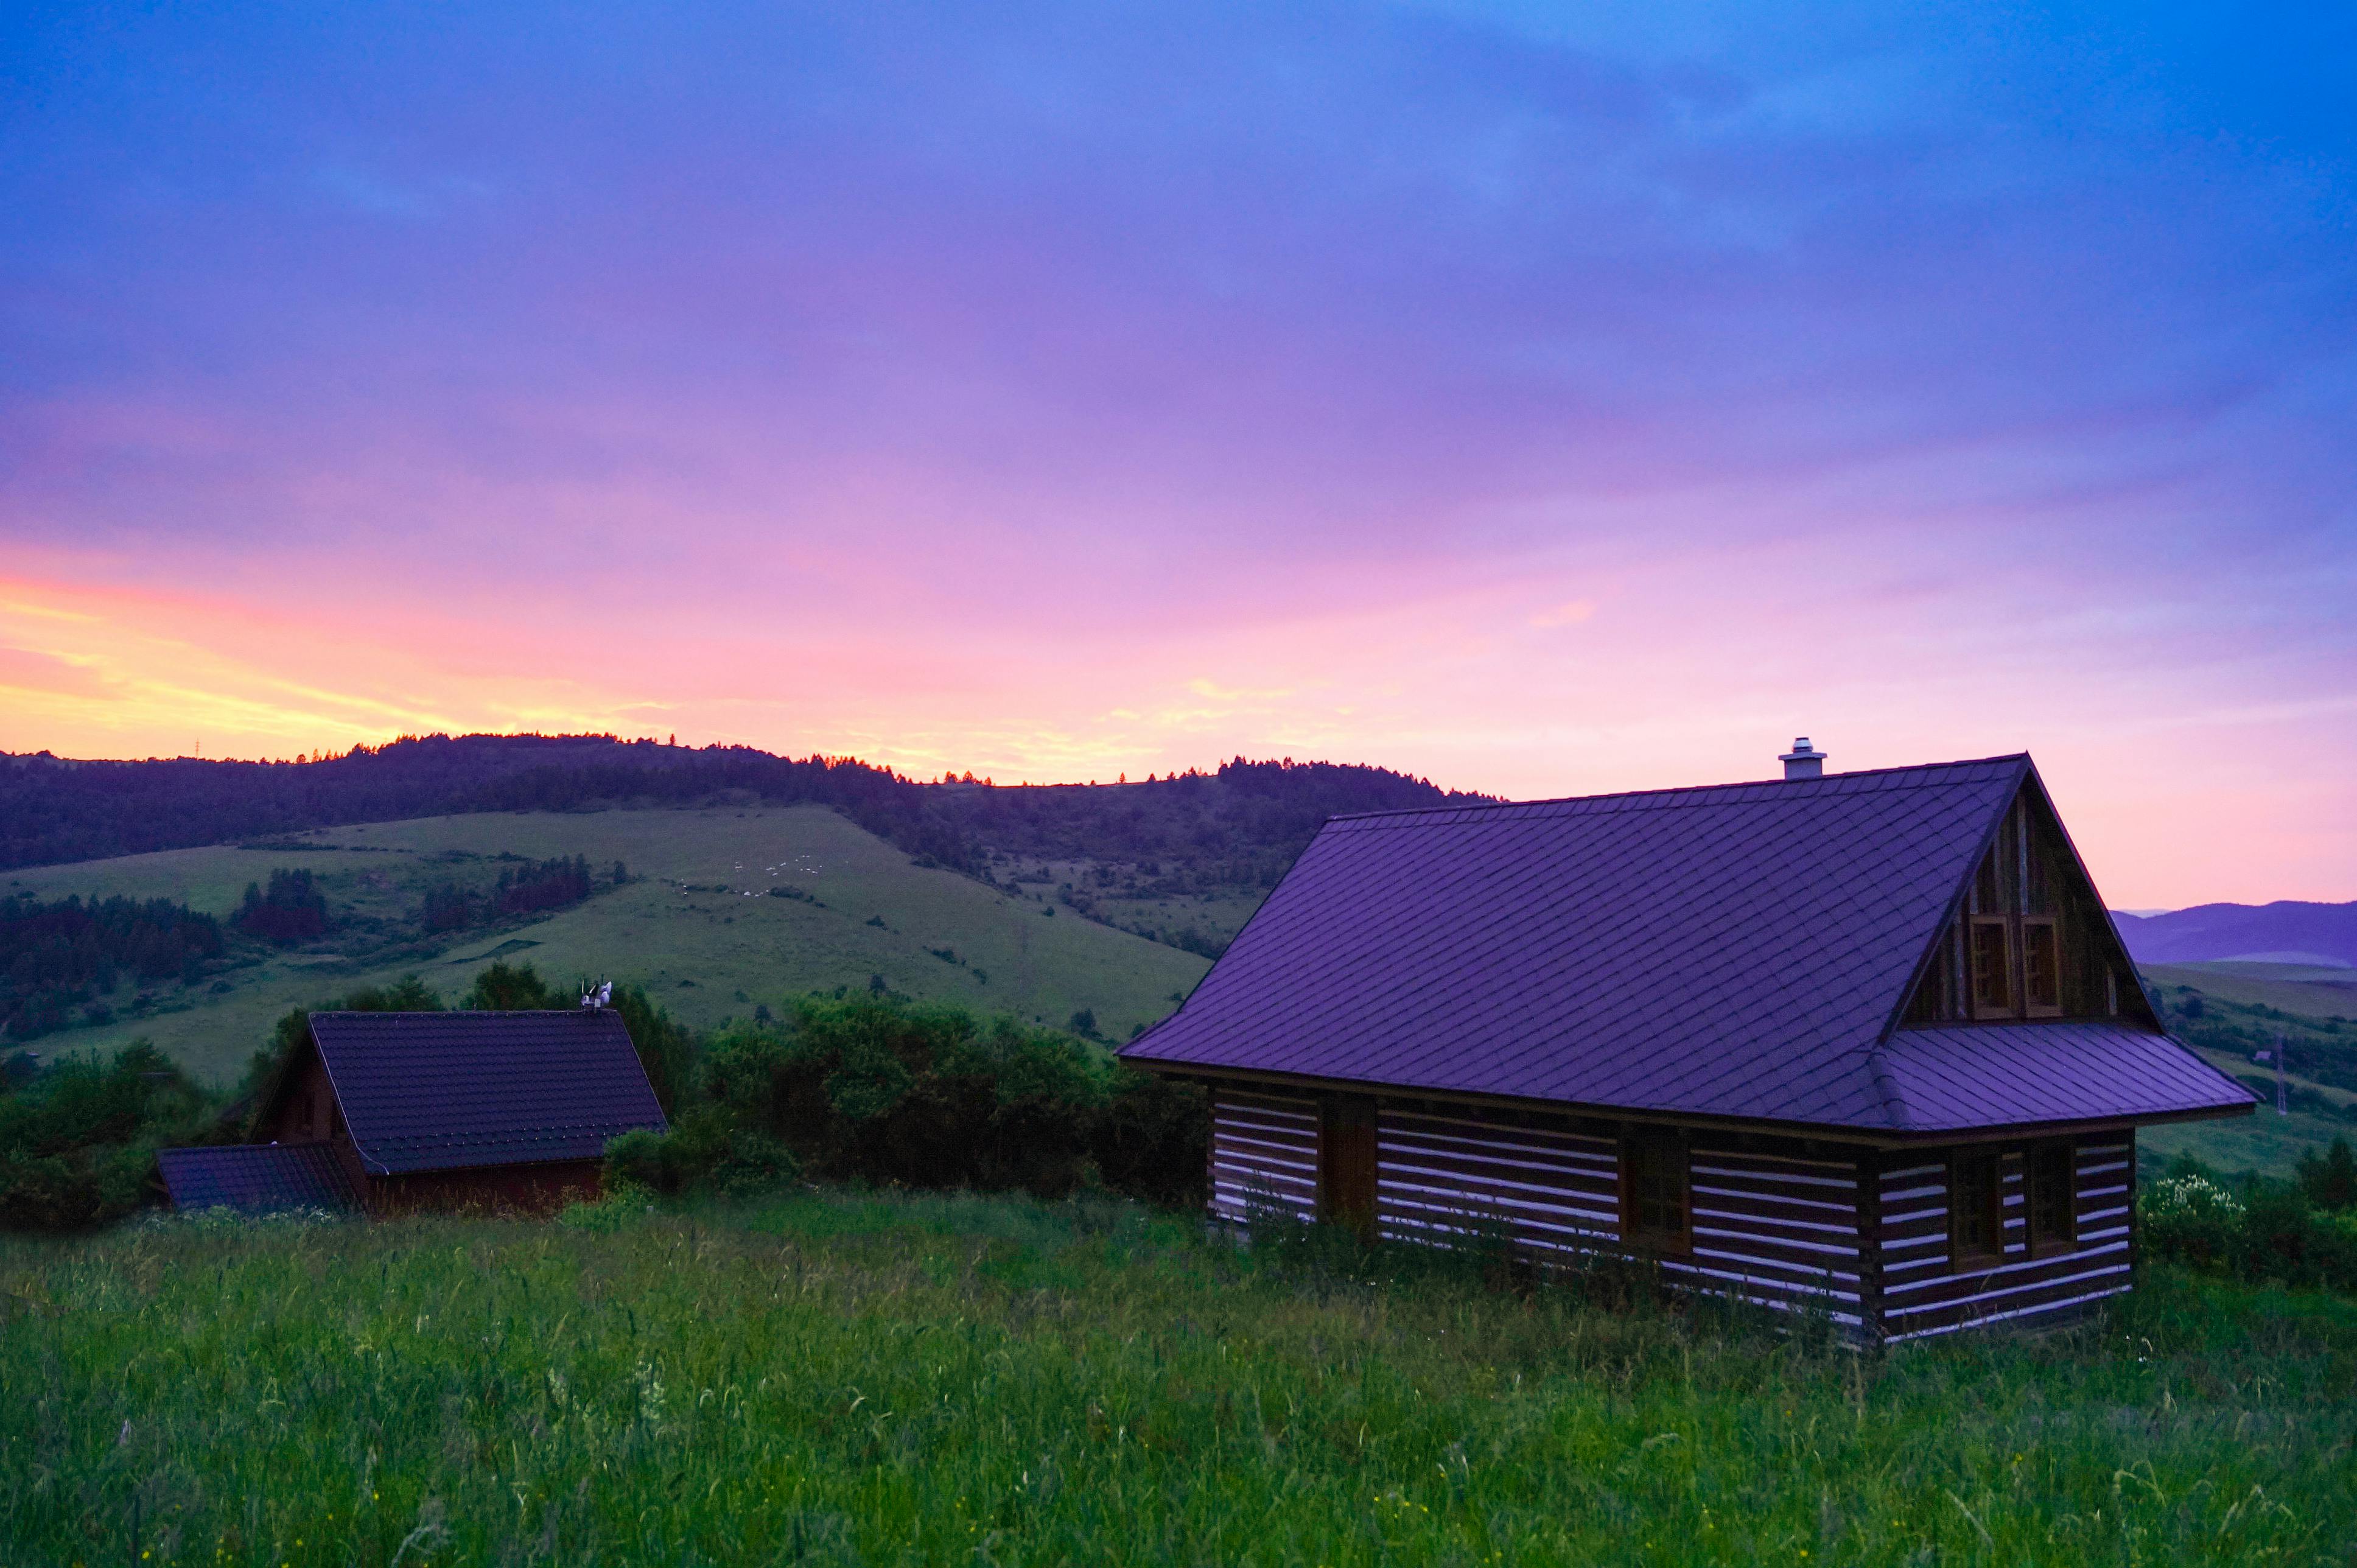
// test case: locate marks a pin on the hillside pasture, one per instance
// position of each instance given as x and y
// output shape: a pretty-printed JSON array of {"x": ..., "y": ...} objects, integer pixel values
[
  {"x": 837, "y": 1379},
  {"x": 698, "y": 924},
  {"x": 2310, "y": 991}
]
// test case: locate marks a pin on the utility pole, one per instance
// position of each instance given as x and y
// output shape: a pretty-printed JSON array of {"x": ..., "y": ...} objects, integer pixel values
[{"x": 2282, "y": 1109}]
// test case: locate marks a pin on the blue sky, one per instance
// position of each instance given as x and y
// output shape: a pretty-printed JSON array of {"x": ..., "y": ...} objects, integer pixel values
[{"x": 1545, "y": 398}]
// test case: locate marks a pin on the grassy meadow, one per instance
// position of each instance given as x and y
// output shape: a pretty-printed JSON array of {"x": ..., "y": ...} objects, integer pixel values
[
  {"x": 2262, "y": 1142},
  {"x": 827, "y": 1378},
  {"x": 863, "y": 908},
  {"x": 2308, "y": 990},
  {"x": 2242, "y": 1006}
]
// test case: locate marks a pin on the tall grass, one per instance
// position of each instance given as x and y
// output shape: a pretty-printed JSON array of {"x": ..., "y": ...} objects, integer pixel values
[{"x": 833, "y": 1379}]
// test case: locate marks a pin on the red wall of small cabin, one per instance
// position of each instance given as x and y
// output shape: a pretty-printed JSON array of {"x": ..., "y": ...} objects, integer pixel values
[
  {"x": 307, "y": 1111},
  {"x": 531, "y": 1189}
]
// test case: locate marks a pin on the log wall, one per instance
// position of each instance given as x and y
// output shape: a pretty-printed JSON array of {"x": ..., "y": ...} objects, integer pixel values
[
  {"x": 1778, "y": 1229},
  {"x": 1264, "y": 1152},
  {"x": 1777, "y": 1222},
  {"x": 1444, "y": 1176},
  {"x": 1925, "y": 1293}
]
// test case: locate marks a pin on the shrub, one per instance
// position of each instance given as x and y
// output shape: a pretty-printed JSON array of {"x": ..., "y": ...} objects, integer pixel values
[
  {"x": 2330, "y": 1180},
  {"x": 890, "y": 1091},
  {"x": 2191, "y": 1217},
  {"x": 704, "y": 1153},
  {"x": 78, "y": 1144},
  {"x": 2269, "y": 1231}
]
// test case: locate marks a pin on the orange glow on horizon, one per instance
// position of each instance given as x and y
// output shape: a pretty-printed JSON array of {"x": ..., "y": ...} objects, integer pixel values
[{"x": 1520, "y": 690}]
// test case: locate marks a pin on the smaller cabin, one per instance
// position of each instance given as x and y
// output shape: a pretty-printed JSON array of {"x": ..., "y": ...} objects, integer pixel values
[{"x": 392, "y": 1112}]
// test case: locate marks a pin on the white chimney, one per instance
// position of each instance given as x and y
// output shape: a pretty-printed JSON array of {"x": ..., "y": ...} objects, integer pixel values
[{"x": 1801, "y": 762}]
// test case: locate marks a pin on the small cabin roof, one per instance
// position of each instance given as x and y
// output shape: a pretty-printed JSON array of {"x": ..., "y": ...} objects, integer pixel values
[
  {"x": 1738, "y": 951},
  {"x": 423, "y": 1092},
  {"x": 256, "y": 1179}
]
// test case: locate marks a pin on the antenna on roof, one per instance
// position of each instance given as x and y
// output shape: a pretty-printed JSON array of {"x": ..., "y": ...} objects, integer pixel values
[{"x": 1801, "y": 761}]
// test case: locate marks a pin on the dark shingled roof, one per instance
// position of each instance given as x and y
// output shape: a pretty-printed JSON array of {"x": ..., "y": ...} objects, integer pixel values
[
  {"x": 256, "y": 1179},
  {"x": 429, "y": 1091},
  {"x": 1738, "y": 951},
  {"x": 1981, "y": 1075}
]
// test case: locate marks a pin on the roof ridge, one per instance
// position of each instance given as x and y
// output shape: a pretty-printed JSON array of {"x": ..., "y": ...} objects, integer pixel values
[
  {"x": 441, "y": 1014},
  {"x": 1746, "y": 784}
]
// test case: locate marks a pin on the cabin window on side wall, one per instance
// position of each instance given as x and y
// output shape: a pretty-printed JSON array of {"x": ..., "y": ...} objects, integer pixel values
[
  {"x": 1654, "y": 1201},
  {"x": 1347, "y": 1156},
  {"x": 1974, "y": 1215},
  {"x": 2053, "y": 1172}
]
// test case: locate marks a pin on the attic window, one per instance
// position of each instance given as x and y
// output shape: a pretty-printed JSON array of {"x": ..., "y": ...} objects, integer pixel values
[
  {"x": 1654, "y": 1204},
  {"x": 1992, "y": 962},
  {"x": 2041, "y": 967},
  {"x": 1975, "y": 1240}
]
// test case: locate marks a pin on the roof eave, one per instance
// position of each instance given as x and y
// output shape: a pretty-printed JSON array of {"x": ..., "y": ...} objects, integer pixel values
[{"x": 1822, "y": 1132}]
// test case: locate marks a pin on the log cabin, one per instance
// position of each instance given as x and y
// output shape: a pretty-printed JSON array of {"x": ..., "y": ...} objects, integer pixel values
[
  {"x": 1864, "y": 1044},
  {"x": 402, "y": 1112}
]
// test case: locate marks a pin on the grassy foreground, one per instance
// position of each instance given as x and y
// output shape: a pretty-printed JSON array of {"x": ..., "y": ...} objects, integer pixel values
[{"x": 835, "y": 1380}]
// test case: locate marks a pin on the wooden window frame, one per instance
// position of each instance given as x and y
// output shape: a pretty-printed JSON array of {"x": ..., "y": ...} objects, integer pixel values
[
  {"x": 2009, "y": 968},
  {"x": 1672, "y": 1142},
  {"x": 1963, "y": 1258},
  {"x": 2035, "y": 1184},
  {"x": 2048, "y": 929}
]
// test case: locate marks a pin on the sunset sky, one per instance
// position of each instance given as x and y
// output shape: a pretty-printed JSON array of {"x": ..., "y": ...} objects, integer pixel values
[{"x": 1545, "y": 399}]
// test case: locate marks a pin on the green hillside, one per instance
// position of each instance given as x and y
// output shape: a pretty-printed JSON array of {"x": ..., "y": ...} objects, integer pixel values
[
  {"x": 697, "y": 923},
  {"x": 2230, "y": 1012},
  {"x": 2310, "y": 990}
]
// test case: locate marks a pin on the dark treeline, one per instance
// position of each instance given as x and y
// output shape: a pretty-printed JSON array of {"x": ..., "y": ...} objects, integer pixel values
[
  {"x": 1239, "y": 824},
  {"x": 55, "y": 957},
  {"x": 292, "y": 910},
  {"x": 528, "y": 890},
  {"x": 53, "y": 811}
]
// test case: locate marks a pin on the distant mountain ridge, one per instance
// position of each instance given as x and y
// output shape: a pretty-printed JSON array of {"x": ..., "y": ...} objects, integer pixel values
[{"x": 2284, "y": 932}]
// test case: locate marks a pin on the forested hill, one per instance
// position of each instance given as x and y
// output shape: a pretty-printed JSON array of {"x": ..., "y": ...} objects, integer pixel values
[{"x": 1240, "y": 825}]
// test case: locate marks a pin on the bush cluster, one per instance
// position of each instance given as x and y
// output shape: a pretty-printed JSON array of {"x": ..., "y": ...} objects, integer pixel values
[
  {"x": 2255, "y": 1228},
  {"x": 78, "y": 1144},
  {"x": 875, "y": 1088}
]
